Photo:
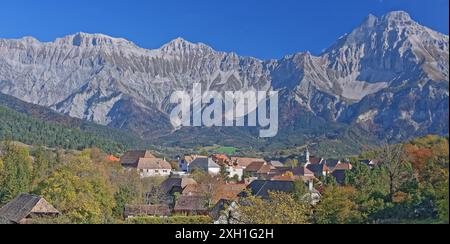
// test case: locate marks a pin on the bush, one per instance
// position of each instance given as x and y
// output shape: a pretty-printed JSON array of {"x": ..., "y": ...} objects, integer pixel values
[{"x": 171, "y": 220}]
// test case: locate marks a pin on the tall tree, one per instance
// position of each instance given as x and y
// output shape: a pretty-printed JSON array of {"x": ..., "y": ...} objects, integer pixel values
[
  {"x": 17, "y": 172},
  {"x": 393, "y": 160}
]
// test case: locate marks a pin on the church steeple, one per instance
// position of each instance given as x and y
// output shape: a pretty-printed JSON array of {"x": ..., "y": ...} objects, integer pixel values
[{"x": 307, "y": 156}]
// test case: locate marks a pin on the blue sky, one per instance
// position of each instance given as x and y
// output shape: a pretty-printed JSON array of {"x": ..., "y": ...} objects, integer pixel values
[{"x": 260, "y": 28}]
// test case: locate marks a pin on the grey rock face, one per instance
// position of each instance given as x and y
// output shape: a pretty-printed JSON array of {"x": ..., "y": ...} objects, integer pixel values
[{"x": 389, "y": 76}]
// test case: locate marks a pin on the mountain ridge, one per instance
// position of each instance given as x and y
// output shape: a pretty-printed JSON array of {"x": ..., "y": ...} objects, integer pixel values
[{"x": 361, "y": 80}]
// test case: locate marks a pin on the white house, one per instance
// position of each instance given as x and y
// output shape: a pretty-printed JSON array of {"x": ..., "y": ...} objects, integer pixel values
[
  {"x": 235, "y": 172},
  {"x": 146, "y": 164},
  {"x": 186, "y": 160},
  {"x": 152, "y": 167},
  {"x": 205, "y": 164}
]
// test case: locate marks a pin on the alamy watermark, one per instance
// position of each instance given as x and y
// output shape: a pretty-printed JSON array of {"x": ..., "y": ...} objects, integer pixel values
[{"x": 229, "y": 108}]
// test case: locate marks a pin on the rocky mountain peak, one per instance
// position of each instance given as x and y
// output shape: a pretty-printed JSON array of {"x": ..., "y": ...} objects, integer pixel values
[
  {"x": 82, "y": 39},
  {"x": 180, "y": 45},
  {"x": 397, "y": 17}
]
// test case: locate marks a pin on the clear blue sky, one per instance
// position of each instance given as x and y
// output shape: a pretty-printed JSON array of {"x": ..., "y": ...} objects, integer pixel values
[{"x": 261, "y": 28}]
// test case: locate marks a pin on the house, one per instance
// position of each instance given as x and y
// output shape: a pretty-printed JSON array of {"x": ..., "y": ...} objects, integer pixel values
[
  {"x": 258, "y": 169},
  {"x": 340, "y": 171},
  {"x": 303, "y": 172},
  {"x": 26, "y": 207},
  {"x": 319, "y": 170},
  {"x": 235, "y": 172},
  {"x": 191, "y": 205},
  {"x": 186, "y": 160},
  {"x": 133, "y": 211},
  {"x": 245, "y": 162},
  {"x": 152, "y": 167},
  {"x": 176, "y": 185},
  {"x": 146, "y": 164},
  {"x": 194, "y": 190},
  {"x": 205, "y": 164},
  {"x": 262, "y": 188},
  {"x": 131, "y": 158},
  {"x": 229, "y": 192},
  {"x": 331, "y": 163},
  {"x": 221, "y": 159}
]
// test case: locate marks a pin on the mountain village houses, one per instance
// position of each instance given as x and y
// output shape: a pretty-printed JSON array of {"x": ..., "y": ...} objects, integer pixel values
[
  {"x": 185, "y": 196},
  {"x": 146, "y": 164},
  {"x": 182, "y": 195}
]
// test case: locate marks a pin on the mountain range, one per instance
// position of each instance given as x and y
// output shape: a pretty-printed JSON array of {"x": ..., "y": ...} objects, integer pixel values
[{"x": 388, "y": 79}]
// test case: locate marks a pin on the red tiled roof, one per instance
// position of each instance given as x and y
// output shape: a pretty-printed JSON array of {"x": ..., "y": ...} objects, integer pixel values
[
  {"x": 112, "y": 158},
  {"x": 229, "y": 192}
]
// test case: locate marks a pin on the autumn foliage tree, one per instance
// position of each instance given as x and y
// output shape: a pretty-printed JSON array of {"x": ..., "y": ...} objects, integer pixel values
[
  {"x": 338, "y": 206},
  {"x": 280, "y": 208}
]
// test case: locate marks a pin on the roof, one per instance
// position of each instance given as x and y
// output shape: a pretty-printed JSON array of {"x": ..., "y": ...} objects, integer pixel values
[
  {"x": 331, "y": 163},
  {"x": 303, "y": 171},
  {"x": 340, "y": 170},
  {"x": 255, "y": 166},
  {"x": 223, "y": 157},
  {"x": 191, "y": 204},
  {"x": 112, "y": 158},
  {"x": 315, "y": 160},
  {"x": 153, "y": 163},
  {"x": 285, "y": 177},
  {"x": 132, "y": 157},
  {"x": 229, "y": 192},
  {"x": 244, "y": 162},
  {"x": 194, "y": 190},
  {"x": 161, "y": 210},
  {"x": 189, "y": 158},
  {"x": 24, "y": 205},
  {"x": 261, "y": 188},
  {"x": 317, "y": 169},
  {"x": 180, "y": 183},
  {"x": 343, "y": 166},
  {"x": 204, "y": 164},
  {"x": 277, "y": 164}
]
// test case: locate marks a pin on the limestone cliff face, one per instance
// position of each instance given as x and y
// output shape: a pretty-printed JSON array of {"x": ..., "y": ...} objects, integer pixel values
[{"x": 389, "y": 76}]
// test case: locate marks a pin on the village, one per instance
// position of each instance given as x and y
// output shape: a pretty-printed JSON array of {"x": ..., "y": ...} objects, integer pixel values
[{"x": 225, "y": 181}]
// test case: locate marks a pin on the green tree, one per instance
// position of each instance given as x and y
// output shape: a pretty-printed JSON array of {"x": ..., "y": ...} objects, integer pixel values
[
  {"x": 281, "y": 208},
  {"x": 17, "y": 172},
  {"x": 393, "y": 161},
  {"x": 80, "y": 191},
  {"x": 338, "y": 206},
  {"x": 42, "y": 165}
]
